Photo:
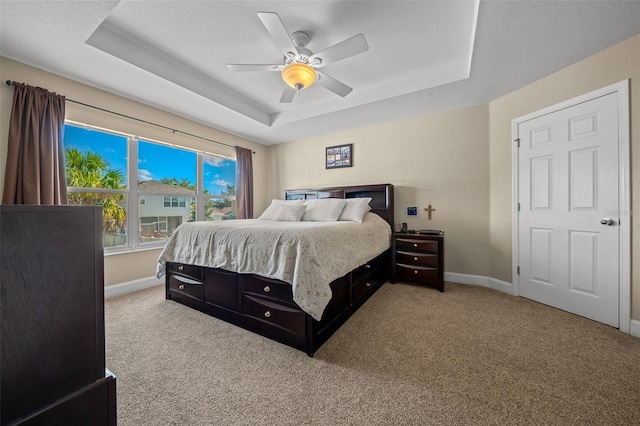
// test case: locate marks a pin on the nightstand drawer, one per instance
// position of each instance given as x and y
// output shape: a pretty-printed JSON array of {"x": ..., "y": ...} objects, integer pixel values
[
  {"x": 408, "y": 244},
  {"x": 290, "y": 319},
  {"x": 186, "y": 286},
  {"x": 415, "y": 258},
  {"x": 417, "y": 273}
]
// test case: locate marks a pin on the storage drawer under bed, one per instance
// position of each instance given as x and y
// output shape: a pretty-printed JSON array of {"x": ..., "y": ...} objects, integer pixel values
[
  {"x": 359, "y": 289},
  {"x": 266, "y": 287},
  {"x": 285, "y": 317},
  {"x": 192, "y": 271},
  {"x": 375, "y": 266},
  {"x": 186, "y": 286}
]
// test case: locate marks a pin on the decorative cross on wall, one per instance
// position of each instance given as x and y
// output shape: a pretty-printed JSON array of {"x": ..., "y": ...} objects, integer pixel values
[{"x": 429, "y": 209}]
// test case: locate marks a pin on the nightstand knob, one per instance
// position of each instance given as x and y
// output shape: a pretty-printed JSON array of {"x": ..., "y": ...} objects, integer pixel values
[
  {"x": 181, "y": 268},
  {"x": 267, "y": 314},
  {"x": 267, "y": 289},
  {"x": 415, "y": 272},
  {"x": 368, "y": 284},
  {"x": 415, "y": 258},
  {"x": 181, "y": 287},
  {"x": 415, "y": 245}
]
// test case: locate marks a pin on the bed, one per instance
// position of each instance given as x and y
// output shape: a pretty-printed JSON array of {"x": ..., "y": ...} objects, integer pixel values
[{"x": 295, "y": 282}]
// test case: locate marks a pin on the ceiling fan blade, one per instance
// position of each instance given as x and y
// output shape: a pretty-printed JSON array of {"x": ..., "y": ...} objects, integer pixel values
[
  {"x": 332, "y": 84},
  {"x": 276, "y": 28},
  {"x": 287, "y": 95},
  {"x": 255, "y": 67},
  {"x": 345, "y": 49}
]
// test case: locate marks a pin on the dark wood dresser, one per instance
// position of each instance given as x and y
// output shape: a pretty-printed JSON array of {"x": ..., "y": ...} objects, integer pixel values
[
  {"x": 52, "y": 362},
  {"x": 418, "y": 258}
]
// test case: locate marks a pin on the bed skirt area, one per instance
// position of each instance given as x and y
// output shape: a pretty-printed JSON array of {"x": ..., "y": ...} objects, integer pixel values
[{"x": 265, "y": 306}]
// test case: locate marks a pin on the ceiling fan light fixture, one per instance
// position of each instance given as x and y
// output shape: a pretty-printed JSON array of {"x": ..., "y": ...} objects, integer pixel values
[{"x": 299, "y": 75}]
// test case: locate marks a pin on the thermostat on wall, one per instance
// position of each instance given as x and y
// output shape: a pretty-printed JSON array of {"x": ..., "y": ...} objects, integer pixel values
[{"x": 412, "y": 211}]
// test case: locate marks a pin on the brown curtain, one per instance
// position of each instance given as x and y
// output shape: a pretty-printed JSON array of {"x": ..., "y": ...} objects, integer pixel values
[
  {"x": 35, "y": 171},
  {"x": 244, "y": 183}
]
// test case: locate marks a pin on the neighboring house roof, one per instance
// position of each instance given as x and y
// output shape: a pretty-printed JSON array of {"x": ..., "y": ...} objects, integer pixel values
[
  {"x": 225, "y": 211},
  {"x": 155, "y": 186}
]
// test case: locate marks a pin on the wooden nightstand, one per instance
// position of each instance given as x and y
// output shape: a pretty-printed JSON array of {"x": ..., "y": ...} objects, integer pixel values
[{"x": 418, "y": 257}]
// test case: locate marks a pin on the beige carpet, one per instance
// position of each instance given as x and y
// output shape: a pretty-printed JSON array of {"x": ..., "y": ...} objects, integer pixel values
[{"x": 410, "y": 356}]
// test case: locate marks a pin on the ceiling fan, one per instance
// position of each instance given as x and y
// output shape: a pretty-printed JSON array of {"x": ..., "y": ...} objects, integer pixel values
[{"x": 300, "y": 67}]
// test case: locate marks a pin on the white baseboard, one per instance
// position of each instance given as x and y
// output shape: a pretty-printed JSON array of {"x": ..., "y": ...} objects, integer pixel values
[
  {"x": 479, "y": 280},
  {"x": 634, "y": 328},
  {"x": 131, "y": 286},
  {"x": 500, "y": 285}
]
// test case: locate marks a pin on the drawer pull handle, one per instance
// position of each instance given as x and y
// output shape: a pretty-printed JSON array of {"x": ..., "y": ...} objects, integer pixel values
[
  {"x": 267, "y": 314},
  {"x": 415, "y": 245},
  {"x": 181, "y": 268},
  {"x": 415, "y": 258},
  {"x": 267, "y": 289},
  {"x": 181, "y": 287},
  {"x": 415, "y": 272},
  {"x": 368, "y": 285},
  {"x": 368, "y": 266}
]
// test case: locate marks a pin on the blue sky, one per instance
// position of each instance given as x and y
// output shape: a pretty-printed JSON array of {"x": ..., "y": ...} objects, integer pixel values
[{"x": 155, "y": 161}]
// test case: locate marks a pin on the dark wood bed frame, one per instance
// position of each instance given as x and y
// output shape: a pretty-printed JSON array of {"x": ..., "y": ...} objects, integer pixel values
[{"x": 265, "y": 306}]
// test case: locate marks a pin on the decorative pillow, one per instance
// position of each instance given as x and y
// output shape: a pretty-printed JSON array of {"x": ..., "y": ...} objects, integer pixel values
[
  {"x": 289, "y": 213},
  {"x": 355, "y": 209},
  {"x": 271, "y": 211},
  {"x": 324, "y": 209}
]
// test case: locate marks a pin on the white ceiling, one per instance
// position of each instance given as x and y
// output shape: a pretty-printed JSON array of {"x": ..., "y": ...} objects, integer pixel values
[{"x": 423, "y": 57}]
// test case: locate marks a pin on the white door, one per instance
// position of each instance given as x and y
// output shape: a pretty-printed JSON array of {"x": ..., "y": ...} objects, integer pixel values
[{"x": 568, "y": 191}]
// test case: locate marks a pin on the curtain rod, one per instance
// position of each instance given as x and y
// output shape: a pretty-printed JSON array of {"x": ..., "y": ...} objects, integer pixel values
[{"x": 13, "y": 83}]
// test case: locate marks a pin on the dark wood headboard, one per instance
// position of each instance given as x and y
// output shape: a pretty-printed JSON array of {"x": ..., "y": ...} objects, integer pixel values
[{"x": 381, "y": 196}]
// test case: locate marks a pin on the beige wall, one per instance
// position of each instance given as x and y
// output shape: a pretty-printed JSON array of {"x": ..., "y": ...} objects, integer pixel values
[
  {"x": 612, "y": 65},
  {"x": 442, "y": 159},
  {"x": 128, "y": 266}
]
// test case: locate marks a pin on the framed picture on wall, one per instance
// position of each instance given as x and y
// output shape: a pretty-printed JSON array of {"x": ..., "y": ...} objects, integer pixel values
[{"x": 339, "y": 156}]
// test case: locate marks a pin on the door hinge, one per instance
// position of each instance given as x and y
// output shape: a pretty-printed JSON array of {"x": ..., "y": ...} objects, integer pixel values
[
  {"x": 518, "y": 141},
  {"x": 518, "y": 270},
  {"x": 518, "y": 206}
]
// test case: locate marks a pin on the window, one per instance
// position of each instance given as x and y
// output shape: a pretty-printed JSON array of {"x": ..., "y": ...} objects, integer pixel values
[
  {"x": 173, "y": 202},
  {"x": 96, "y": 165},
  {"x": 219, "y": 187},
  {"x": 172, "y": 172},
  {"x": 147, "y": 189}
]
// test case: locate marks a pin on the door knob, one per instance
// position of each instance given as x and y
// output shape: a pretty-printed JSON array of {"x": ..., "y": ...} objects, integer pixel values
[{"x": 607, "y": 221}]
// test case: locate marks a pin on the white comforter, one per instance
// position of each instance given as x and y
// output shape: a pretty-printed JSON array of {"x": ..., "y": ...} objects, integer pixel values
[{"x": 307, "y": 255}]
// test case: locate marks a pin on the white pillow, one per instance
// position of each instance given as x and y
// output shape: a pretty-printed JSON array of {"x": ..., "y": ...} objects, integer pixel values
[
  {"x": 289, "y": 213},
  {"x": 271, "y": 211},
  {"x": 355, "y": 209},
  {"x": 324, "y": 209}
]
